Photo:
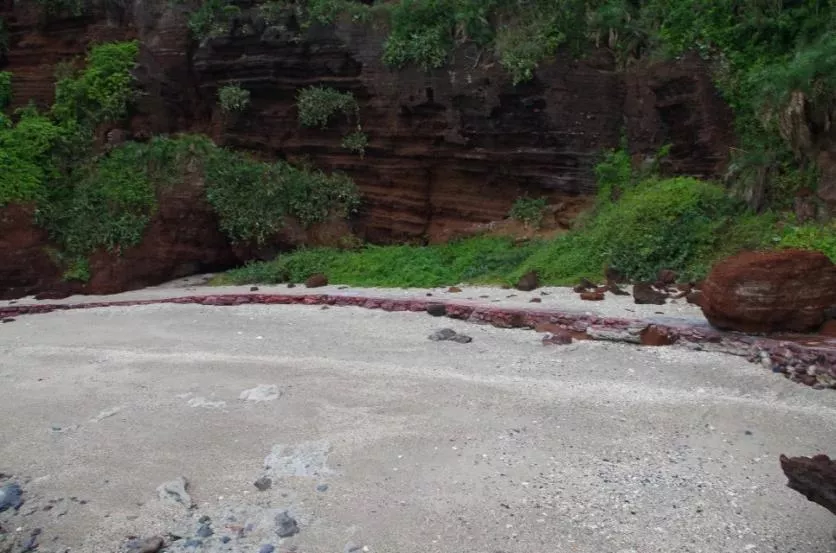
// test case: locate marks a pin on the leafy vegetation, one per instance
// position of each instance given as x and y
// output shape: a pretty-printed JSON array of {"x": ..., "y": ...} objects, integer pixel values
[
  {"x": 654, "y": 223},
  {"x": 318, "y": 106},
  {"x": 771, "y": 58},
  {"x": 102, "y": 91},
  {"x": 254, "y": 199},
  {"x": 89, "y": 200},
  {"x": 233, "y": 98},
  {"x": 5, "y": 89},
  {"x": 528, "y": 211}
]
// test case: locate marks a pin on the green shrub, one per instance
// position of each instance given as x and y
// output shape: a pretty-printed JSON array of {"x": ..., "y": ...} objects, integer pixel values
[
  {"x": 25, "y": 157},
  {"x": 356, "y": 142},
  {"x": 78, "y": 269},
  {"x": 211, "y": 18},
  {"x": 5, "y": 89},
  {"x": 318, "y": 105},
  {"x": 233, "y": 98},
  {"x": 254, "y": 199},
  {"x": 422, "y": 34},
  {"x": 811, "y": 237},
  {"x": 528, "y": 211},
  {"x": 522, "y": 48},
  {"x": 103, "y": 90},
  {"x": 108, "y": 206}
]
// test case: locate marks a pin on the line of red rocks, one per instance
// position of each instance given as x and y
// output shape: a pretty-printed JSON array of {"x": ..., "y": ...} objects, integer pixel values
[{"x": 808, "y": 364}]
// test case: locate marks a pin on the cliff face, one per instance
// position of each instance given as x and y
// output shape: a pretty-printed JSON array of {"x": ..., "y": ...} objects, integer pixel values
[{"x": 448, "y": 149}]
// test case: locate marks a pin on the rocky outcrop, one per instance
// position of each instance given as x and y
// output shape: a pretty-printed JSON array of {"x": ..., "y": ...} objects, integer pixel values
[
  {"x": 448, "y": 149},
  {"x": 182, "y": 239},
  {"x": 457, "y": 146},
  {"x": 775, "y": 291},
  {"x": 814, "y": 478}
]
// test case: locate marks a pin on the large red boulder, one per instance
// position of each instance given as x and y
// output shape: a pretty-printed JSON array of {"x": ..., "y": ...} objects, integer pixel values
[{"x": 786, "y": 290}]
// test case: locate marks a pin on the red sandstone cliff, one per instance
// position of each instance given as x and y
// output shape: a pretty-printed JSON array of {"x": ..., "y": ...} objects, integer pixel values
[{"x": 447, "y": 149}]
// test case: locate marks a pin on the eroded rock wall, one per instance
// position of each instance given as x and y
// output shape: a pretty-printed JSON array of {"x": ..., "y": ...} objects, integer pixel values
[{"x": 448, "y": 149}]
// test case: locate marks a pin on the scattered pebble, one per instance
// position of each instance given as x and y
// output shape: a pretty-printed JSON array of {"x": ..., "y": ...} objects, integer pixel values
[
  {"x": 262, "y": 392},
  {"x": 11, "y": 497},
  {"x": 204, "y": 531},
  {"x": 175, "y": 492},
  {"x": 107, "y": 413},
  {"x": 448, "y": 334},
  {"x": 266, "y": 548},
  {"x": 322, "y": 488},
  {"x": 286, "y": 525},
  {"x": 264, "y": 483}
]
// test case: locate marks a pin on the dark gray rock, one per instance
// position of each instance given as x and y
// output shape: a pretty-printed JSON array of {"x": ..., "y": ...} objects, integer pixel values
[
  {"x": 442, "y": 335},
  {"x": 286, "y": 525},
  {"x": 266, "y": 548},
  {"x": 461, "y": 339},
  {"x": 204, "y": 531},
  {"x": 264, "y": 483},
  {"x": 148, "y": 545},
  {"x": 437, "y": 309},
  {"x": 11, "y": 497},
  {"x": 322, "y": 488}
]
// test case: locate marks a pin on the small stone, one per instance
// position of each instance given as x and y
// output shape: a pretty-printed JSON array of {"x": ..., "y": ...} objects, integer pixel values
[
  {"x": 442, "y": 335},
  {"x": 193, "y": 543},
  {"x": 253, "y": 288},
  {"x": 584, "y": 286},
  {"x": 286, "y": 525},
  {"x": 560, "y": 337},
  {"x": 204, "y": 531},
  {"x": 535, "y": 300},
  {"x": 264, "y": 483},
  {"x": 266, "y": 548},
  {"x": 291, "y": 285},
  {"x": 204, "y": 519},
  {"x": 461, "y": 339},
  {"x": 437, "y": 309},
  {"x": 644, "y": 294},
  {"x": 528, "y": 282},
  {"x": 148, "y": 545},
  {"x": 8, "y": 320},
  {"x": 748, "y": 432},
  {"x": 175, "y": 492},
  {"x": 322, "y": 488},
  {"x": 11, "y": 497},
  {"x": 226, "y": 539},
  {"x": 262, "y": 392},
  {"x": 454, "y": 289},
  {"x": 317, "y": 280},
  {"x": 592, "y": 296},
  {"x": 694, "y": 298}
]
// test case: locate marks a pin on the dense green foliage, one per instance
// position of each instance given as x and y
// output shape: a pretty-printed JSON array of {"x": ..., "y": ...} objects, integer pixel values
[
  {"x": 89, "y": 200},
  {"x": 25, "y": 156},
  {"x": 233, "y": 98},
  {"x": 654, "y": 223},
  {"x": 5, "y": 89},
  {"x": 528, "y": 211},
  {"x": 761, "y": 52},
  {"x": 253, "y": 199},
  {"x": 100, "y": 92},
  {"x": 318, "y": 105}
]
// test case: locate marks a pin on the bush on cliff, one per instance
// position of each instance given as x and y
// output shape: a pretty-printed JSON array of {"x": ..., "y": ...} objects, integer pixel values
[{"x": 678, "y": 223}]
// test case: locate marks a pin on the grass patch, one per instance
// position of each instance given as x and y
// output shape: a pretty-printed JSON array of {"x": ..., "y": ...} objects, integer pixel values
[{"x": 681, "y": 223}]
